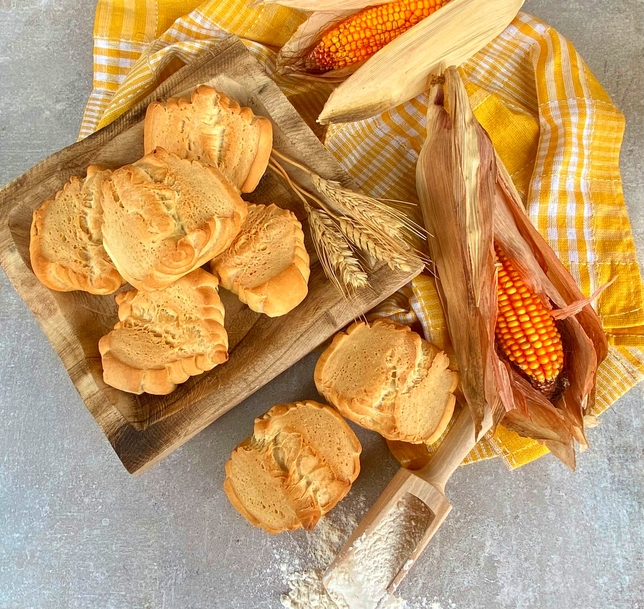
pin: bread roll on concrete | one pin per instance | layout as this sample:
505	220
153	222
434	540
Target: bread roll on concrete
386	378
299	463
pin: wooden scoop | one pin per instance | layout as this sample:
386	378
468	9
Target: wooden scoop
427	485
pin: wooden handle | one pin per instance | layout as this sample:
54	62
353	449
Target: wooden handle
450	454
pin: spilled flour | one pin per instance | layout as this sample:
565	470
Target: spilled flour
322	545
376	560
307	592
377	557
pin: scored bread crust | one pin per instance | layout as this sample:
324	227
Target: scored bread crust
66	242
215	129
406	393
309	455
163	323
270	237
165	216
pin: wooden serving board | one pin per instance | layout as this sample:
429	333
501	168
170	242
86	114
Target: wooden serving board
143	429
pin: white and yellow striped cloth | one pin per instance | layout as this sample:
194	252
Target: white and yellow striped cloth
553	125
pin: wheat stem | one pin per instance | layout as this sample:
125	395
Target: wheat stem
291	162
301	192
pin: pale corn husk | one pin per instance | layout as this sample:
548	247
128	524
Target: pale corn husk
470	226
399	71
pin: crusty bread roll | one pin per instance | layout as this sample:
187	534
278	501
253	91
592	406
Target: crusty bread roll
212	128
267	265
164	216
299	463
66	246
388	379
166	336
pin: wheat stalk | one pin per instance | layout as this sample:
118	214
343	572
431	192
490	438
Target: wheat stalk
340	218
352	202
380	217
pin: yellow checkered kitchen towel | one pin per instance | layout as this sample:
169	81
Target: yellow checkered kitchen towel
552	123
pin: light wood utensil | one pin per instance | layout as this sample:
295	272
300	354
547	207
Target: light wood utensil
427	484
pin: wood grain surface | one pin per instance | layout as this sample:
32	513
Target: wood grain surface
143	429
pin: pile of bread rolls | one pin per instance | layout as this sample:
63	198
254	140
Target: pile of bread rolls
154	223
302	458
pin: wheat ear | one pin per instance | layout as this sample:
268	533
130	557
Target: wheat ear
380	217
337	258
335	254
368	241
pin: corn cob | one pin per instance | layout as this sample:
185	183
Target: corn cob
525	331
362	34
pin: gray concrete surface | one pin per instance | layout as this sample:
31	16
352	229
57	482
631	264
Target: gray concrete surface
77	531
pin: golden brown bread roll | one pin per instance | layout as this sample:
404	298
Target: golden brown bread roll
388	379
66	246
163	217
212	128
267	265
299	463
166	336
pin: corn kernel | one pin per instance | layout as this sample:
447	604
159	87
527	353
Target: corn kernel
369	30
526	332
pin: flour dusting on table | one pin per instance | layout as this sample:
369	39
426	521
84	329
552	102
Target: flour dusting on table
361	581
381	556
321	546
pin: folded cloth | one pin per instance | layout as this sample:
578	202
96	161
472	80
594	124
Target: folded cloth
551	122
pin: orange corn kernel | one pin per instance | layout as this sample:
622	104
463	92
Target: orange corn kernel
361	35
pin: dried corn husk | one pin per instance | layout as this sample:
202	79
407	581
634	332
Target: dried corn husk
581	330
399	71
456	178
465	190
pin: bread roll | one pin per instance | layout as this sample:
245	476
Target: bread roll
166	336
299	463
388	379
164	217
212	128
267	265
66	246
